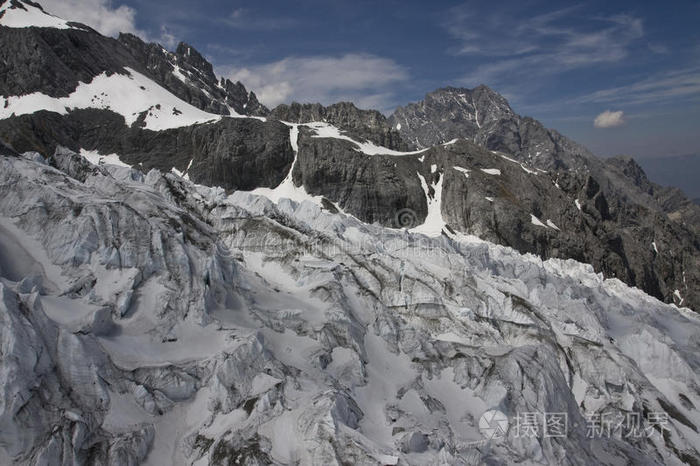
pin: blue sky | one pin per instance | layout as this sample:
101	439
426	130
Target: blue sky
562	63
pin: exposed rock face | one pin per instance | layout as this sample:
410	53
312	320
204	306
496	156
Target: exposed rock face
189	76
234	153
372	188
144	318
499	199
623	198
620	228
361	124
670	200
53	62
485	117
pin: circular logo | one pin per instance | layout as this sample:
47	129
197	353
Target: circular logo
405	218
493	424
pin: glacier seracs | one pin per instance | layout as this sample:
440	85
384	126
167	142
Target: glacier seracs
148	319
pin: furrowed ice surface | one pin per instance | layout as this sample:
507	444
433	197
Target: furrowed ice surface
153	320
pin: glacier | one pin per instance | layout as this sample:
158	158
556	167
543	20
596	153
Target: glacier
147	319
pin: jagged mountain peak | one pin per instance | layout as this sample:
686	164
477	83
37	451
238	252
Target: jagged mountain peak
189	55
189	67
451	112
485	117
67	56
481	101
481	91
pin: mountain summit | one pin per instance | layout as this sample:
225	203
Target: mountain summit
485	117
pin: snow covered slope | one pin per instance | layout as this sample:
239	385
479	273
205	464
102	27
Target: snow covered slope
132	95
16	14
148	319
325	130
71	65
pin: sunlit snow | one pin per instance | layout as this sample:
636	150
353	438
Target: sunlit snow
30	17
536	221
324	130
491	171
96	158
434	222
126	94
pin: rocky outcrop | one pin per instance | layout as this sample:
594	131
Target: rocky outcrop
630	211
53	61
672	201
373	188
188	75
234	153
494	197
361	124
485	117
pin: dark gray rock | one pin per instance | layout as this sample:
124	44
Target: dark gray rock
485	117
7	150
373	188
53	62
234	153
623	211
201	89
361	124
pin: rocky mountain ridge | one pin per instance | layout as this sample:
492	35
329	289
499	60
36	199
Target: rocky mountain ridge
62	58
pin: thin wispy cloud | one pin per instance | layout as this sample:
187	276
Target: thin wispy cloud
664	86
366	80
244	19
107	18
510	45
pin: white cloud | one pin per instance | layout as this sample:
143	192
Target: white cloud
166	38
609	119
98	14
366	80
